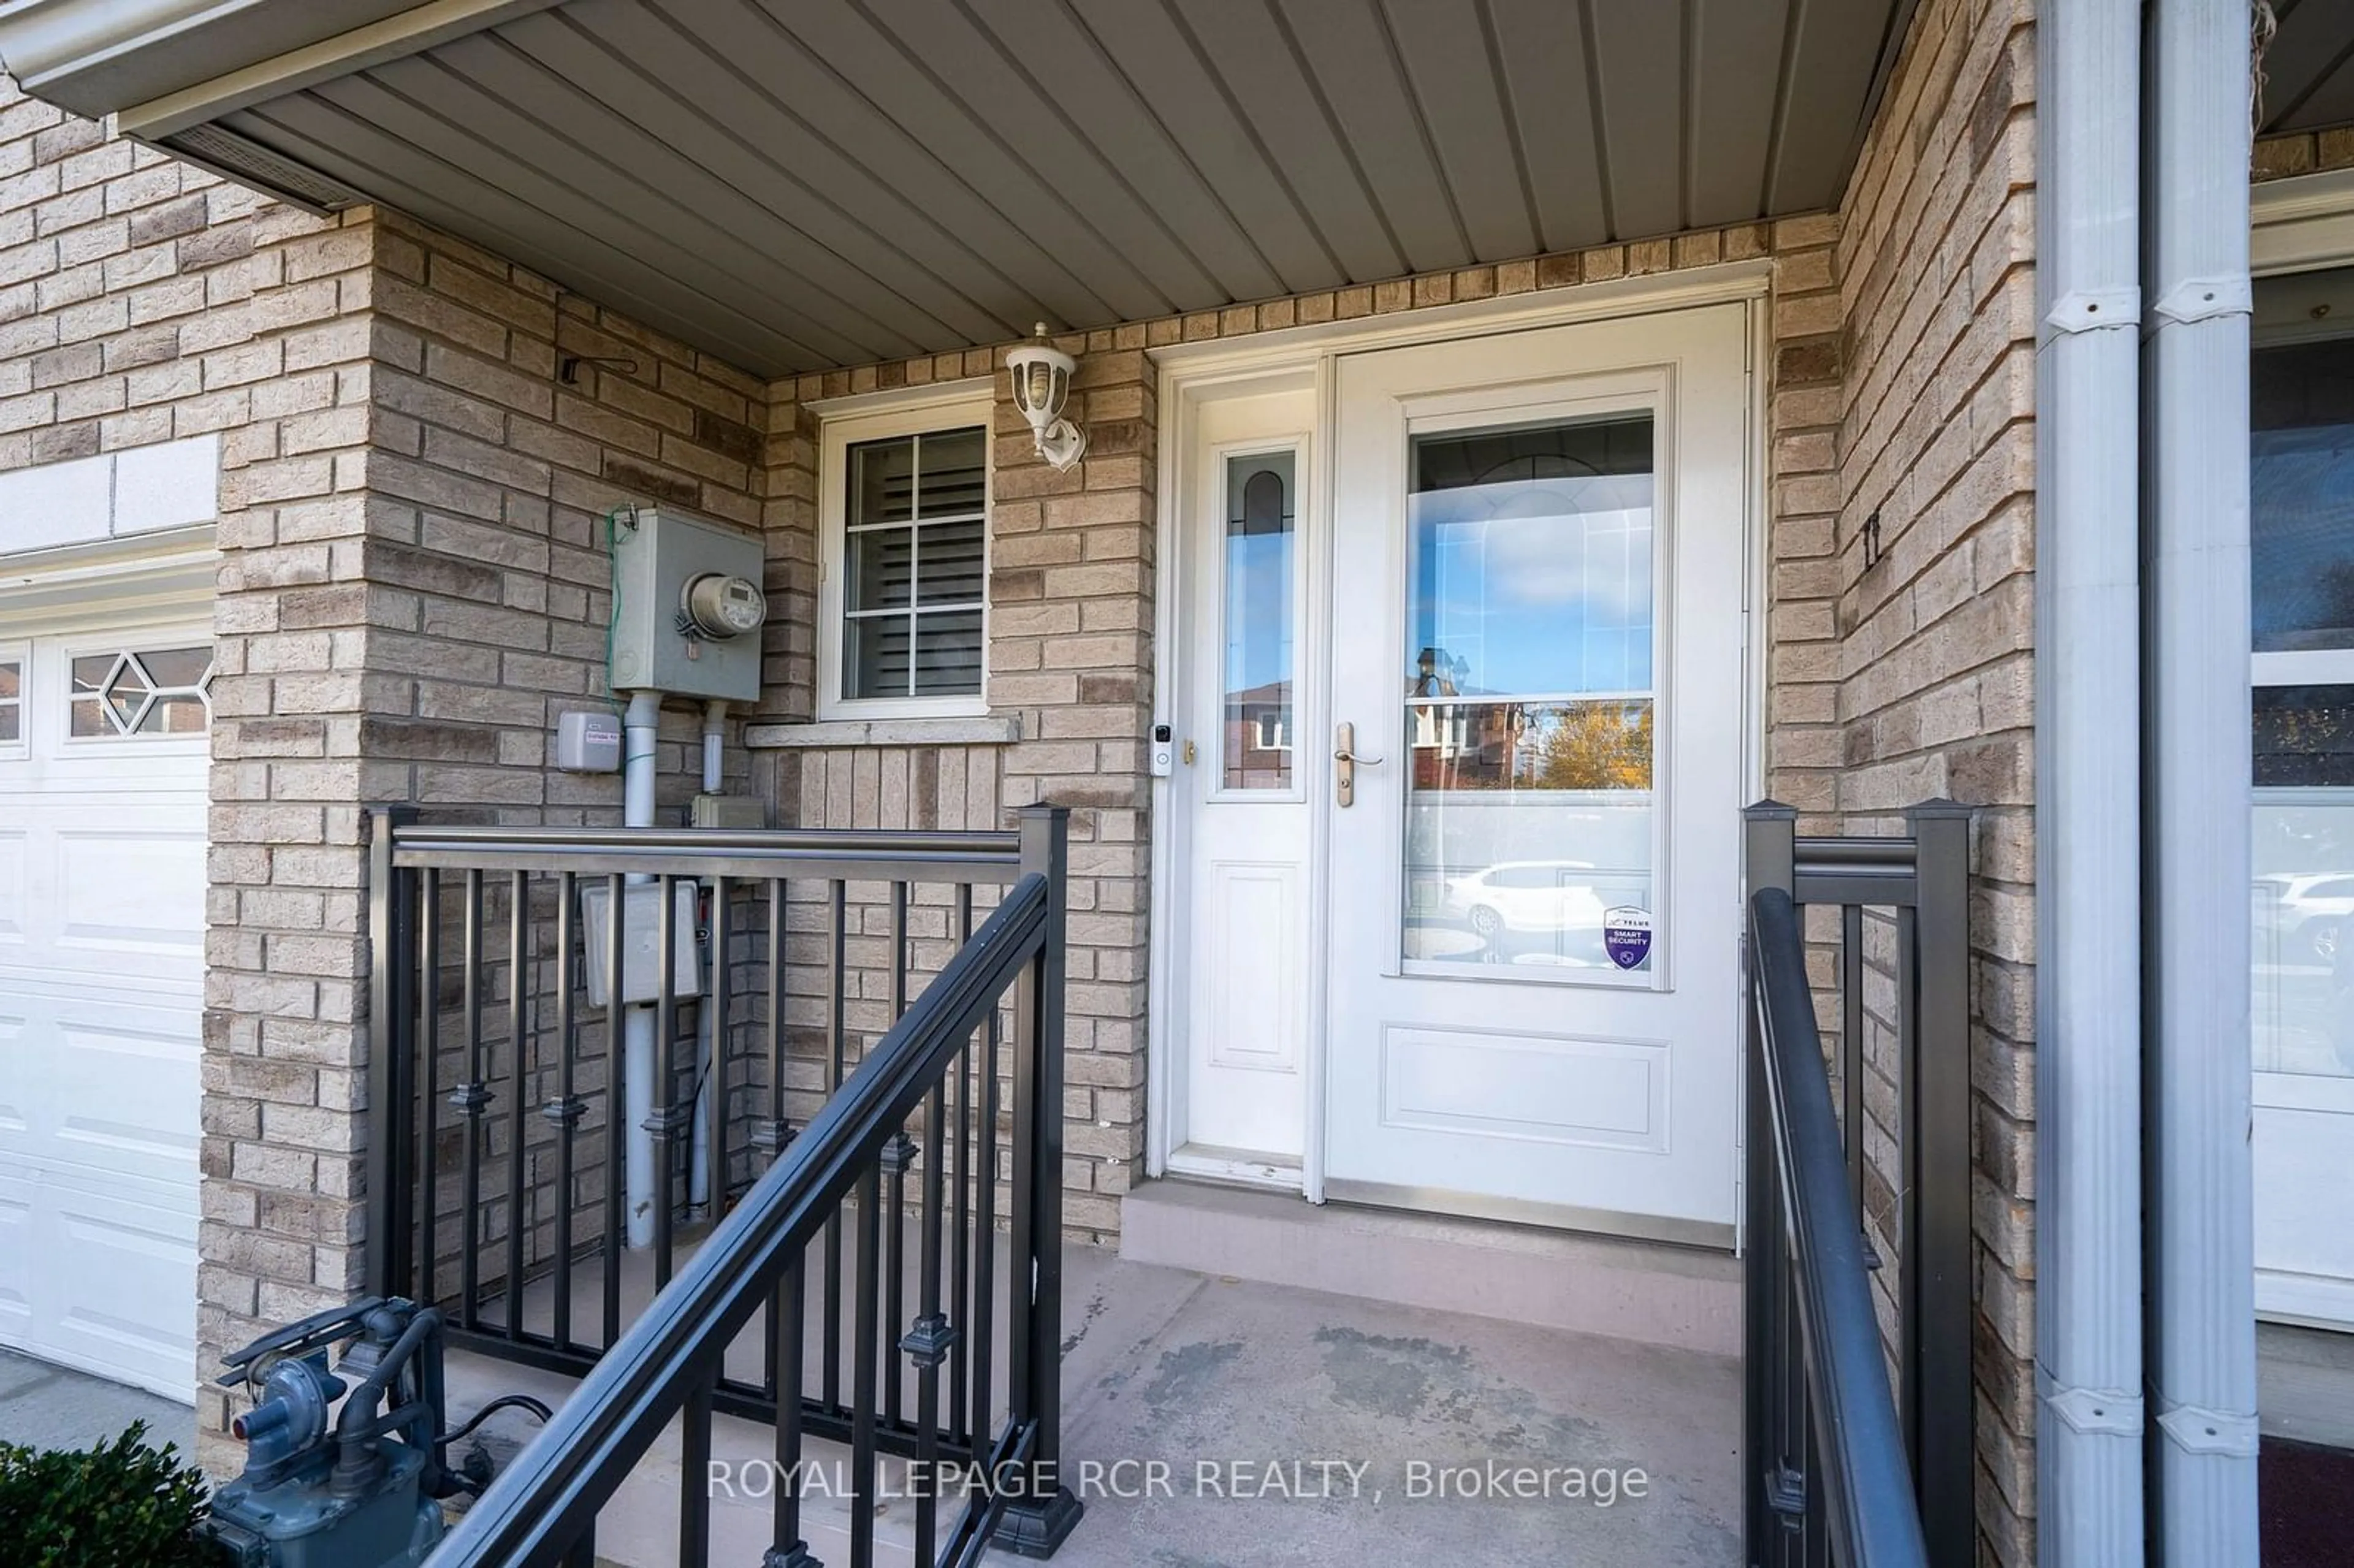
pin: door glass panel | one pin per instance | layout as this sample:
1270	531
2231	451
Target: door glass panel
1260	565
2301	549
1528	713
2301	482
2303	856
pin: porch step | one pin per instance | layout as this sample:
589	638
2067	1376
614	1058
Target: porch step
1650	1292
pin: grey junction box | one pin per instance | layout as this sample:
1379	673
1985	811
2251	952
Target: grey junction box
688	606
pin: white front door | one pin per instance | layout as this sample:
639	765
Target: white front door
1537	666
1249	848
103	796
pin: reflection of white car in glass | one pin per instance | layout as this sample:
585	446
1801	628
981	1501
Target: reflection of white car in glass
2306	911
1525	896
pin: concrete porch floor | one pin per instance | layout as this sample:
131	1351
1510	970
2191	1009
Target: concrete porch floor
1198	1370
1207	1381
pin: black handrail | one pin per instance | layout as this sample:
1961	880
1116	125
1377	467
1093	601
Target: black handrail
549	1496
1858	1443
830	922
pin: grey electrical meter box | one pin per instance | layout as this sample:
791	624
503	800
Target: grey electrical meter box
688	606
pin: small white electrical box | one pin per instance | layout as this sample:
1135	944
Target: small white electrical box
640	941
588	741
688	606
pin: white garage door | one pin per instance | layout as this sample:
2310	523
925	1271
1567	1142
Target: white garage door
102	767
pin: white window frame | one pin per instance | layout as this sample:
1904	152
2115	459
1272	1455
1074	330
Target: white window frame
19	654
851	422
131	640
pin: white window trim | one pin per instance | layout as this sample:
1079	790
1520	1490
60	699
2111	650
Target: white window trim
846	424
130	640
2302	223
19	654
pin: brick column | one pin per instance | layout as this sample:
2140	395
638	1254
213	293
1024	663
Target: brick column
1071	588
283	1078
414	585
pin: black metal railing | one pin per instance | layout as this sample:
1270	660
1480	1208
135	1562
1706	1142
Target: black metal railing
1844	1466
499	1143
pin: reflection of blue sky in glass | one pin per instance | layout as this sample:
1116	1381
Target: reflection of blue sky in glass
1535	585
2301	536
1258	580
1258	610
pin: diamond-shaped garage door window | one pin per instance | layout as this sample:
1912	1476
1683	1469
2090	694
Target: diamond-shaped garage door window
147	691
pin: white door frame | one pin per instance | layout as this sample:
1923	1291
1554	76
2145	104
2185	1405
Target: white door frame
1189	374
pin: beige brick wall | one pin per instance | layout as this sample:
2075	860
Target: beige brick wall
413	586
1933	622
2302	152
126	284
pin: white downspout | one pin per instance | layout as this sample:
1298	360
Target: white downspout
2088	786
2201	1370
640	726
698	1177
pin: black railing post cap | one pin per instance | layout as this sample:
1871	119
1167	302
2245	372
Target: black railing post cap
1770	810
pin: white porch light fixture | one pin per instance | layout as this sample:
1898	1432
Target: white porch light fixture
1042	383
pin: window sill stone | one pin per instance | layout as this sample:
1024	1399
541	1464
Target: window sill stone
987	730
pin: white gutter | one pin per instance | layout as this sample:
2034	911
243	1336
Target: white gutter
41	40
165	65
2088	787
2201	1372
412	31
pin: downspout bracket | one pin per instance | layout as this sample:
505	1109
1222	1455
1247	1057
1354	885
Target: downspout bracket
2097	1410
2203	299
2197	1431
2090	310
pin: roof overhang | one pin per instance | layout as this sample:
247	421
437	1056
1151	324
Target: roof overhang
97	57
803	183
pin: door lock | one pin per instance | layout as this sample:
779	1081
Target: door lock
1344	764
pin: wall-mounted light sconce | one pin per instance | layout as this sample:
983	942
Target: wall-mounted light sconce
1042	384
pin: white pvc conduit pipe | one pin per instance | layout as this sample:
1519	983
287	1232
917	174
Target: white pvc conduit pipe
698	1180
640	726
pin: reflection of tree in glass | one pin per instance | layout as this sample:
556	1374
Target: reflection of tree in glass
2304	736
1597	745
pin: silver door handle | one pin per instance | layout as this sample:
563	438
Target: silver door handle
1345	760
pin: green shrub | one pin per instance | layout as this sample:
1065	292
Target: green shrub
121	1503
